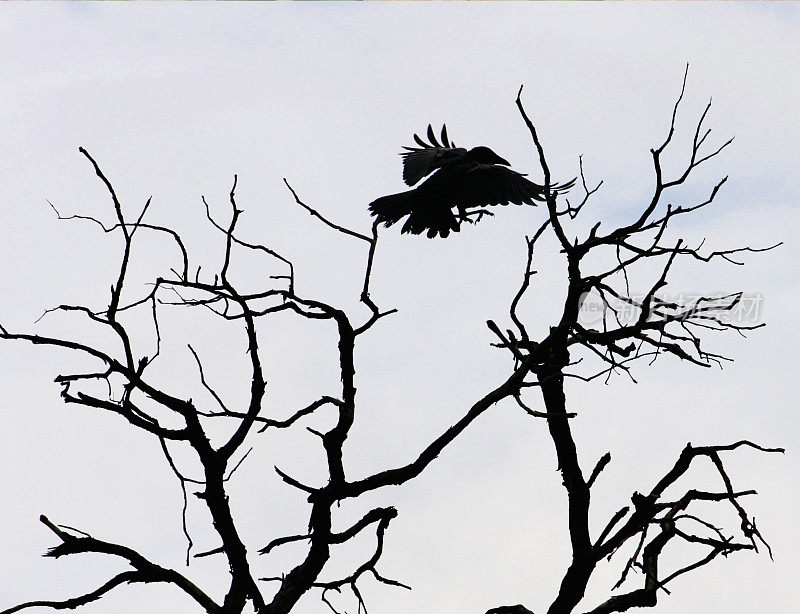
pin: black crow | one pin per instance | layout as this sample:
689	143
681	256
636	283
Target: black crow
467	180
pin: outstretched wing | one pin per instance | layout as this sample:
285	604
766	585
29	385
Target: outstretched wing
486	185
423	160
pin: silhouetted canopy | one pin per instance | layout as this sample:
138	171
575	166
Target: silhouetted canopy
467	180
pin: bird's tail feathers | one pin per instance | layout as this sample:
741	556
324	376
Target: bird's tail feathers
423	217
390	209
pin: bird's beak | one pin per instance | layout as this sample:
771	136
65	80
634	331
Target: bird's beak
503	161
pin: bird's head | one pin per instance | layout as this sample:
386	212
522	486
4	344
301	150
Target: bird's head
484	155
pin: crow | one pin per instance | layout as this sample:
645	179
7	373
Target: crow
467	180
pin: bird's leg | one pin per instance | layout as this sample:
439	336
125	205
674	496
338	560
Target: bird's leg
478	213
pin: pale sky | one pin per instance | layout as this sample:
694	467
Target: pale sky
173	99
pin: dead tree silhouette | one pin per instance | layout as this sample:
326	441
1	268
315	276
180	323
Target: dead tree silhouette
124	382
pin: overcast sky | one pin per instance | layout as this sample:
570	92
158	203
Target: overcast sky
173	99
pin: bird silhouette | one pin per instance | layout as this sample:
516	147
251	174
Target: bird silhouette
462	179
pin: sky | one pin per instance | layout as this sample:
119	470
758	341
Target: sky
174	99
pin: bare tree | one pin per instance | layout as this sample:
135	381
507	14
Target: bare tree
217	433
630	328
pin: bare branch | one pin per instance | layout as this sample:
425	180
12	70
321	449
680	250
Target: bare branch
126	577
145	571
330	224
604	460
